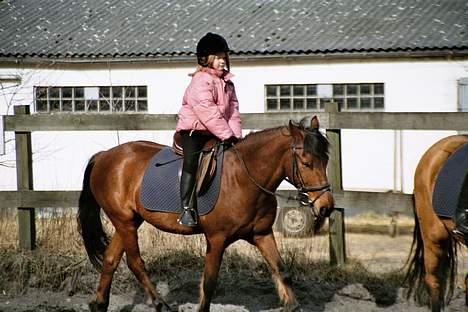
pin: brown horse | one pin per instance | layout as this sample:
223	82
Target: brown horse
244	210
432	269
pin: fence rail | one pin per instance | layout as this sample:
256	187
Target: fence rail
378	202
26	199
348	120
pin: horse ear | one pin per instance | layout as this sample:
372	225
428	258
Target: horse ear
314	123
293	129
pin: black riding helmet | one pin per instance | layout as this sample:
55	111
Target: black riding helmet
211	44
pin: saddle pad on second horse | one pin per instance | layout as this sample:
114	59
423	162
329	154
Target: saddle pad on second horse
160	189
449	182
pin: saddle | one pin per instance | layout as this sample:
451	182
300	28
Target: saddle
206	161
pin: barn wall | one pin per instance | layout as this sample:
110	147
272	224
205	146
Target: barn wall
372	160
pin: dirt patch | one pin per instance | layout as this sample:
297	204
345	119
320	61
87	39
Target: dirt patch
371	281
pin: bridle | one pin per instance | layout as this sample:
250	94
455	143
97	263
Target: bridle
302	189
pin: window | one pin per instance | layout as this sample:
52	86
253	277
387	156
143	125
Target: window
463	95
107	99
304	97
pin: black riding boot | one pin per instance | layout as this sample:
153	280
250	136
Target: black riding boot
189	215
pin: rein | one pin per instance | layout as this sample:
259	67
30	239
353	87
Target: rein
302	197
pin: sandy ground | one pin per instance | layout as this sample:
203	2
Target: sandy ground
377	253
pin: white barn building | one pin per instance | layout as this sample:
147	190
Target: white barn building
134	56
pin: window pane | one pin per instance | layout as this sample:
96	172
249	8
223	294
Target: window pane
41	105
272	104
365	89
92	105
366	103
129	92
79	106
322	103
79	92
117	105
311	90
298	90
54	92
351	103
285	90
54	105
340	102
298	103
338	89
379	88
142	92
117	92
130	105
104	92
311	103
142	106
67	92
285	104
67	106
379	102
41	93
351	89
271	91
104	105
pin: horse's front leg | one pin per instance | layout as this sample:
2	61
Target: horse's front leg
135	263
111	260
267	245
466	290
215	247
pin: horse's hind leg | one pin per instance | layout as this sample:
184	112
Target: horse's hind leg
111	260
435	260
214	255
267	246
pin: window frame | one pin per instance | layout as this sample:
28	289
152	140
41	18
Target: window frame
343	99
80	104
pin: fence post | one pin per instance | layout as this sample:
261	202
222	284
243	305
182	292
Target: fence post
24	177
336	220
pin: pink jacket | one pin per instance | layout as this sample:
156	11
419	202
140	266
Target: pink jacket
210	103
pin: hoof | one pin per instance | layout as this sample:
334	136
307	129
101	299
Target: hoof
161	306
292	308
97	307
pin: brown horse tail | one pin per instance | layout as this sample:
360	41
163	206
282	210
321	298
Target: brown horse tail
414	277
89	221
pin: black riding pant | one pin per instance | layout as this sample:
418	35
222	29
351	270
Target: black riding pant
192	144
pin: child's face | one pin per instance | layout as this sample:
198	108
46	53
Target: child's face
219	62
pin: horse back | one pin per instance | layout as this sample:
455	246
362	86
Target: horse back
117	172
434	158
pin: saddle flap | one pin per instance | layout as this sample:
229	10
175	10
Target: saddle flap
206	169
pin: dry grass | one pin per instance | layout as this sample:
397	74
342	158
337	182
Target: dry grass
60	262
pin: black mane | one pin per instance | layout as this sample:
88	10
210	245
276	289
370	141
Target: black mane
314	141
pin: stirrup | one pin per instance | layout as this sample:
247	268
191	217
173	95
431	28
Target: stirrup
188	217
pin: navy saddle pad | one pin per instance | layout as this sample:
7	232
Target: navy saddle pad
160	189
449	182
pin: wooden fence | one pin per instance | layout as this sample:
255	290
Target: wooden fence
26	199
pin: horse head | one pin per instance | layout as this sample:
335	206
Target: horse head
308	169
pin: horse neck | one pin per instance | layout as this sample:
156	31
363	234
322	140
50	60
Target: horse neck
265	155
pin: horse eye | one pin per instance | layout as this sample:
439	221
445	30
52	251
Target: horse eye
307	164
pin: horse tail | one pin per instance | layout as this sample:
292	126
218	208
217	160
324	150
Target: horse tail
415	273
89	221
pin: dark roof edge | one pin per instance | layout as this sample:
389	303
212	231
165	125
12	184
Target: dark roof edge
254	56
